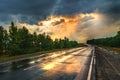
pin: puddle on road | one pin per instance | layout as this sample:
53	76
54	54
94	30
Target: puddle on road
64	68
54	63
19	65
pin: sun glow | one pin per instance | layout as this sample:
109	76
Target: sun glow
51	65
68	26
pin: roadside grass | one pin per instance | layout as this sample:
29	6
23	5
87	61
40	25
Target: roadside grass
5	58
116	49
113	49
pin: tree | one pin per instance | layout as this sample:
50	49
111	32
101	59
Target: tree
13	40
1	39
25	39
21	41
56	44
111	41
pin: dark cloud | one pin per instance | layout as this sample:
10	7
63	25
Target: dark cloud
114	11
26	10
58	22
26	7
49	33
30	11
87	18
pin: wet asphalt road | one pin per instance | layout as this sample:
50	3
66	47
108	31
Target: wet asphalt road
62	65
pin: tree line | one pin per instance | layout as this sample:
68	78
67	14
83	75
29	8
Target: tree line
15	41
110	41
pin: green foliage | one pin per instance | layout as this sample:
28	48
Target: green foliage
64	43
111	41
1	37
3	40
19	41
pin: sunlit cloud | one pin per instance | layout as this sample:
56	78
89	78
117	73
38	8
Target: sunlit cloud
76	19
80	27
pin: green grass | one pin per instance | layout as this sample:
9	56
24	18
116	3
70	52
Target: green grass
5	58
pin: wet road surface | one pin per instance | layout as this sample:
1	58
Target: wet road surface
62	65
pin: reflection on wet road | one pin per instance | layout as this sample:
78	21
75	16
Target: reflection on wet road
61	65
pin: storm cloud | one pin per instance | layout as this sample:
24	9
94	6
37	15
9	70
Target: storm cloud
77	19
31	11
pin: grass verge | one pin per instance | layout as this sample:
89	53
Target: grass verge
113	49
6	58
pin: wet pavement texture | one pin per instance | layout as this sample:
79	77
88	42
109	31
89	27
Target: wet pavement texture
62	65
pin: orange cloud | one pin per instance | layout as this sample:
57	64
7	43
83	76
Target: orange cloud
80	27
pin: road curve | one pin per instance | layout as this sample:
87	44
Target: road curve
62	65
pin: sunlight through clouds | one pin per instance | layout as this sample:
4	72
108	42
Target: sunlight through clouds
79	27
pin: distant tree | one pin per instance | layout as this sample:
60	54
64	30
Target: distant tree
41	41
20	41
35	39
56	44
61	44
49	43
1	39
5	41
111	41
13	40
25	39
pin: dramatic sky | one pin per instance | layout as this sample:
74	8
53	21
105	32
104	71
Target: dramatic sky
76	19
